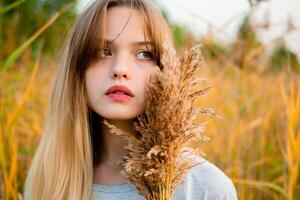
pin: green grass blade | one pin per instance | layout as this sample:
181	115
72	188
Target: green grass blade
10	6
18	52
261	184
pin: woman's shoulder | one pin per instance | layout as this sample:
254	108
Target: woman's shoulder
206	180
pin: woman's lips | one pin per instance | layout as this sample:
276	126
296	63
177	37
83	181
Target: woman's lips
119	89
119	97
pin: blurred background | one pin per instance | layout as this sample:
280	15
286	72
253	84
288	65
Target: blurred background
252	55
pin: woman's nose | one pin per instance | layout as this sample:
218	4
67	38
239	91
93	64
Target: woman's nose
122	67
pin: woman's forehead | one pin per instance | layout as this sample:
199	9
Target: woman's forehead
125	24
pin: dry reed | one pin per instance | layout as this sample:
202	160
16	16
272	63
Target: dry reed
158	155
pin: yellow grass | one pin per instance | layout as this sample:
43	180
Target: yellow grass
292	149
255	141
9	143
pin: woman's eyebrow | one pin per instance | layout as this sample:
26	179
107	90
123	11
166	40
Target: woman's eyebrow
142	43
138	43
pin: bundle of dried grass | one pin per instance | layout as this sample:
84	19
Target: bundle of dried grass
158	156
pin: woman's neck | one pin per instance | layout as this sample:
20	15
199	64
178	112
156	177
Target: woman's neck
113	148
112	152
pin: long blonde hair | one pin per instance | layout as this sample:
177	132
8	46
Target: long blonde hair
62	167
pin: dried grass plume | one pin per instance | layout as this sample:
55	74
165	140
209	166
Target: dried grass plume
158	156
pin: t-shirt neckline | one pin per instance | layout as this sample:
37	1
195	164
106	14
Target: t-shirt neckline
123	187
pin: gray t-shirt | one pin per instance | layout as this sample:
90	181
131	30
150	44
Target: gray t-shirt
203	181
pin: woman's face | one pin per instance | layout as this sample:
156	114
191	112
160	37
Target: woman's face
123	61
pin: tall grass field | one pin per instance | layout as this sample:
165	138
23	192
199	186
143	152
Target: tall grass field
254	138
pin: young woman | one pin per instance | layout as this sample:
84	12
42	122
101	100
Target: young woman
107	60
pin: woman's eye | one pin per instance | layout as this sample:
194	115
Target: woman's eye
105	52
145	55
